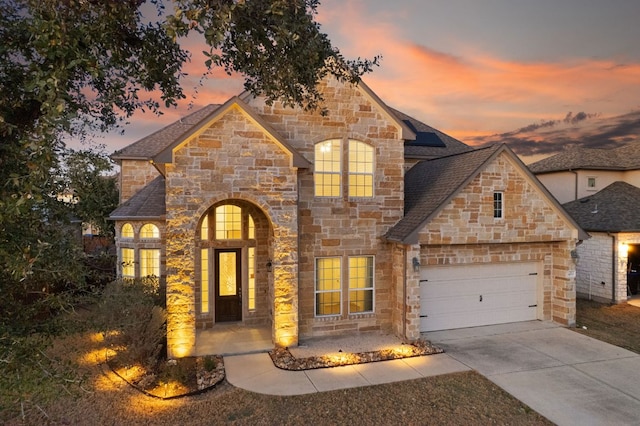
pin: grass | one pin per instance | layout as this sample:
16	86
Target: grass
615	324
104	398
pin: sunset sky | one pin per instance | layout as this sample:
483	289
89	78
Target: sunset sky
538	75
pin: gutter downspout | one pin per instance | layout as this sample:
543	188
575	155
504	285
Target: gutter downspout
614	254
404	293
575	195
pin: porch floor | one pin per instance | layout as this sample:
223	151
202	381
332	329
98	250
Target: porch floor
233	339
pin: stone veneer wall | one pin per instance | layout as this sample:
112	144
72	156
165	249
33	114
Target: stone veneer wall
465	231
342	226
135	175
233	159
602	265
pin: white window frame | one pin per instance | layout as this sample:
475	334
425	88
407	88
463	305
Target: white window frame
149	231
149	260
357	166
370	288
128	264
318	292
498	205
320	164
124	234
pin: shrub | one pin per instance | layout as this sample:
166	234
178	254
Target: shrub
132	321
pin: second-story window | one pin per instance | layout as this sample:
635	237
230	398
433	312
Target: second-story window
498	205
328	169
360	169
328	173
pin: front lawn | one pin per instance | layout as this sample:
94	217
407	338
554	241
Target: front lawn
101	397
615	324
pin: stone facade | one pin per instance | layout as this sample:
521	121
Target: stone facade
465	232
260	159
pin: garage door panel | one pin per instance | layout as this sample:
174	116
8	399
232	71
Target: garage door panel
475	295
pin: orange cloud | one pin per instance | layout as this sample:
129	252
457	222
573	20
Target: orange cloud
474	92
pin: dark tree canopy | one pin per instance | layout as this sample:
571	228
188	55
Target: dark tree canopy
73	68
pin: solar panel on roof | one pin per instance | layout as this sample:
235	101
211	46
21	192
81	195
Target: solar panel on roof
424	138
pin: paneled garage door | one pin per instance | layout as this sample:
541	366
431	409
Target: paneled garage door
475	295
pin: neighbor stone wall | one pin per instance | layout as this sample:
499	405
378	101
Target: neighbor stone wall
594	269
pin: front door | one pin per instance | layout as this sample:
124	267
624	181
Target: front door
228	285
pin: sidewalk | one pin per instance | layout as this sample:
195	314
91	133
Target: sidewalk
256	373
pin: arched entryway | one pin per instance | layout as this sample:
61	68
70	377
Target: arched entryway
233	265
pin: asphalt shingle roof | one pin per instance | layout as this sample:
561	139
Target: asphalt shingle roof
615	208
431	183
148	203
626	157
147	147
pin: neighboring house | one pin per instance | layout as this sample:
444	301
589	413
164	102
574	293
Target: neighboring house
580	172
609	262
599	189
312	225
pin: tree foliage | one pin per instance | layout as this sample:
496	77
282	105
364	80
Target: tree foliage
72	68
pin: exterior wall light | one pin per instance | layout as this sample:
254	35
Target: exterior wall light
416	264
269	265
623	249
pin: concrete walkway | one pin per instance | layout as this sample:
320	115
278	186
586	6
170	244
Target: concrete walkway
569	378
256	373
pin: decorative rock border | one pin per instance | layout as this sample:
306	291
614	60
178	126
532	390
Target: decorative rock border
284	360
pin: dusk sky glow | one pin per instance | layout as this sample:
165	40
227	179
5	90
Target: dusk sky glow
538	75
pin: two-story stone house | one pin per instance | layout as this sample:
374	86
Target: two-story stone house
363	219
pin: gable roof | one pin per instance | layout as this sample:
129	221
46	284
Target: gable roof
431	184
166	155
626	157
612	209
148	203
429	142
147	147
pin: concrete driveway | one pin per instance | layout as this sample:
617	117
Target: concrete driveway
569	378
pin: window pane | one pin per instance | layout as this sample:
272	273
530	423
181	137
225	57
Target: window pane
251	234
204	228
328	286
497	205
328	169
128	266
360	169
149	263
204	280
228	222
149	230
360	284
127	231
227	271
251	285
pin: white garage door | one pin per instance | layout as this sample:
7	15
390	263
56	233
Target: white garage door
474	295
